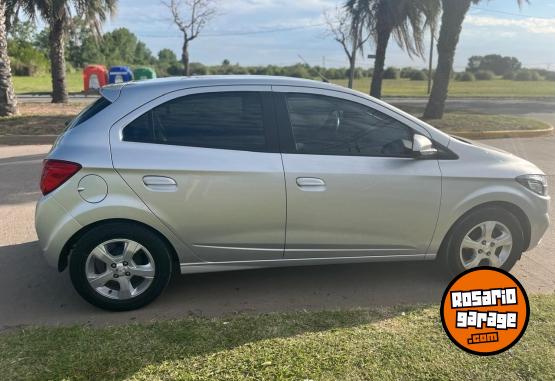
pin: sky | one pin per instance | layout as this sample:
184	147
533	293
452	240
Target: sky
261	32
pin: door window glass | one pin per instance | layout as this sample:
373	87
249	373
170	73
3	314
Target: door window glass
331	126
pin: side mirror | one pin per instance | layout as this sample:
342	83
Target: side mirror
422	147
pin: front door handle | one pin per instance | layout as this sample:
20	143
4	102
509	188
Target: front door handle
311	184
160	183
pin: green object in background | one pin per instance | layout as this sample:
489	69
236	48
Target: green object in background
141	73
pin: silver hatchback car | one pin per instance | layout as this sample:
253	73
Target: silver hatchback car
240	172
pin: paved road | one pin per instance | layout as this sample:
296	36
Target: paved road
31	293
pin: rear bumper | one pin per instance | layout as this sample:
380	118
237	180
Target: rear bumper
54	226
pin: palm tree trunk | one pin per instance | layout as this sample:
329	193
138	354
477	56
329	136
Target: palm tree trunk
454	12
58	61
379	64
8	102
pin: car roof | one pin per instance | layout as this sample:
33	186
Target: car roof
164	85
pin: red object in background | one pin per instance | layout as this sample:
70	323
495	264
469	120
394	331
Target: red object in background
95	77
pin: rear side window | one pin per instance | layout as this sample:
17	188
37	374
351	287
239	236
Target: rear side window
90	111
231	120
323	125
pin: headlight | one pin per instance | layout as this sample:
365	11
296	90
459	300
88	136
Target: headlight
536	183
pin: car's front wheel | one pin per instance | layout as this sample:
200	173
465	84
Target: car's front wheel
485	237
120	266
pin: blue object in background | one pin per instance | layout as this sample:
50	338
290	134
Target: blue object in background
120	74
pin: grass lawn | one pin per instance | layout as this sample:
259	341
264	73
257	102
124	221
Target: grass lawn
457	122
43	83
497	88
388	344
401	87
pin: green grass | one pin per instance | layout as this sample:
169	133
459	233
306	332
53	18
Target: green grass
388	344
43	83
497	88
458	122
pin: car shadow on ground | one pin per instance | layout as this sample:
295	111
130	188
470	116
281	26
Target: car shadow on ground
31	293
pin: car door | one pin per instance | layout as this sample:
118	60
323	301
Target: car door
206	162
353	186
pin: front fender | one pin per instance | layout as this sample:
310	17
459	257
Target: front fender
459	197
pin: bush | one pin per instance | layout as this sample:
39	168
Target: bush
550	76
407	71
527	75
465	77
418	75
175	70
23	69
391	73
510	76
359	73
484	75
196	68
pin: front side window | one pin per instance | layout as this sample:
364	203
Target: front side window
213	120
324	125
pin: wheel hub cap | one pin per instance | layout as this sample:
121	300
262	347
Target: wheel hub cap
486	244
120	269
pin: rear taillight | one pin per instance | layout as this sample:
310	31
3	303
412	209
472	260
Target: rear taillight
55	173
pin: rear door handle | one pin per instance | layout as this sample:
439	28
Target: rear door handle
311	184
160	183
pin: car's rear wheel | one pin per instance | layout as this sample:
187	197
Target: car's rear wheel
485	237
120	266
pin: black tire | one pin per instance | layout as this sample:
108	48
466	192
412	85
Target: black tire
120	230
450	255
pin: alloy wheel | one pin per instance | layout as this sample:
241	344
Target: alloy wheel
486	244
120	269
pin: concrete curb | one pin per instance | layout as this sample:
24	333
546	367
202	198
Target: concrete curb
503	134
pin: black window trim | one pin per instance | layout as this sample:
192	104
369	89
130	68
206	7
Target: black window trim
287	141
268	122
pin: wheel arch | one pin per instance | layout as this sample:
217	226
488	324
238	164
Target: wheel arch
66	250
507	206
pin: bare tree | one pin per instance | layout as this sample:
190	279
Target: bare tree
349	30
190	16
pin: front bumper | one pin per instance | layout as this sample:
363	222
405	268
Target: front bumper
54	226
539	226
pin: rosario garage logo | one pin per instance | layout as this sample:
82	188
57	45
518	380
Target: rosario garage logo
485	311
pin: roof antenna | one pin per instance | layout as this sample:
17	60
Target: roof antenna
317	71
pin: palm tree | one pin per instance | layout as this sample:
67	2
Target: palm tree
58	13
8	102
454	12
406	21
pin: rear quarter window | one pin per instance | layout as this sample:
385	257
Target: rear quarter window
229	120
89	111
